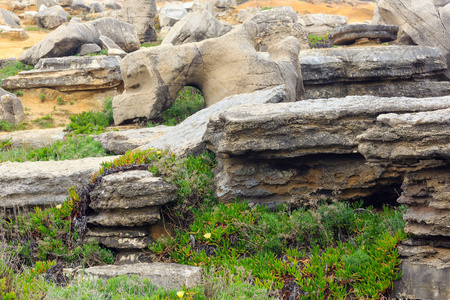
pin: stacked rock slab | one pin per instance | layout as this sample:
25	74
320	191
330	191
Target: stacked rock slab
349	34
124	205
387	71
399	141
308	150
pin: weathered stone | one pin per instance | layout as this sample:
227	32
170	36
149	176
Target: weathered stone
126	217
225	4
399	137
66	40
8	18
171	13
51	17
132	189
141	14
43	183
425	273
112	48
169	276
5	62
34	138
13	33
153	78
65	3
245	14
96	7
119	142
322	24
69	74
11	109
276	24
195	27
348	34
120	238
46	3
307	151
29	18
88	48
112	5
418	19
79	5
204	4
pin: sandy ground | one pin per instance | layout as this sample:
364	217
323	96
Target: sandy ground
359	13
11	48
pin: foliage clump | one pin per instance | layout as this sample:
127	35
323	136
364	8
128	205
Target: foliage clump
92	122
12	69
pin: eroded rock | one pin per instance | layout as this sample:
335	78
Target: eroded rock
51	17
349	34
11	109
140	14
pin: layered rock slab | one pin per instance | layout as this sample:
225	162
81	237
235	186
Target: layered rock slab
349	34
153	78
306	151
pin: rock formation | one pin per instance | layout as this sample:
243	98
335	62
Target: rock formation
51	17
171	13
419	20
322	24
34	138
153	78
349	34
410	71
66	40
11	109
141	14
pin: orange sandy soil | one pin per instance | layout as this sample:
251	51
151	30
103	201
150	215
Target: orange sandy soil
360	12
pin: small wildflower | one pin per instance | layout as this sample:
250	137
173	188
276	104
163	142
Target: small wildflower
207	235
59	206
180	294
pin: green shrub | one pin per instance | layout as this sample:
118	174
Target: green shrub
189	101
92	122
12	69
317	41
45	122
6	126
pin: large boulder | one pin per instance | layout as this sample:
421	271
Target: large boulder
13	33
322	24
74	73
278	23
185	138
8	18
51	17
66	40
11	109
349	34
141	14
153	78
195	27
46	3
418	19
171	13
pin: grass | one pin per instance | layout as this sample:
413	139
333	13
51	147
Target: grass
92	122
6	126
12	69
189	101
317	41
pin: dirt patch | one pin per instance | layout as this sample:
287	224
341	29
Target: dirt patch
359	12
13	48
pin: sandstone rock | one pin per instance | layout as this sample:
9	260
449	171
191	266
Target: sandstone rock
8	18
141	14
225	4
204	4
43	183
11	109
153	78
170	13
245	14
122	238
195	27
278	23
444	13
79	5
65	3
348	34
169	276
29	18
46	3
306	151
51	17
132	189
89	48
418	19
34	138
113	48
441	3
322	24
66	40
69	74
13	33
96	7
112	5
126	217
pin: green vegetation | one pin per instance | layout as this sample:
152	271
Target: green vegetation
45	122
266	8
18	93
92	122
189	101
316	41
60	101
72	147
6	126
12	69
42	97
154	44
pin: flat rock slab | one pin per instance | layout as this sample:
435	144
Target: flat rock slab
69	74
43	183
348	34
169	276
34	138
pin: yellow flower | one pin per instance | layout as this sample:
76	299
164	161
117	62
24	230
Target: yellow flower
180	294
207	235
158	152
59	206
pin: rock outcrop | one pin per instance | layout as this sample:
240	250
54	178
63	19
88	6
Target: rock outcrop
410	71
51	17
125	205
8	18
419	20
306	151
11	109
69	74
26	185
66	39
169	276
276	24
153	78
141	14
349	34
322	24
195	27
